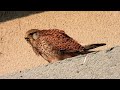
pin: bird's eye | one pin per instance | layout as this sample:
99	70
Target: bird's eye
35	35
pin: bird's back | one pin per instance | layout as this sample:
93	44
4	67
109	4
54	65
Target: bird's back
60	40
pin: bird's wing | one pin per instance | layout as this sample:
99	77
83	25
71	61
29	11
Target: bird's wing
63	42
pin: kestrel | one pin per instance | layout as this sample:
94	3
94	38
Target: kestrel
54	44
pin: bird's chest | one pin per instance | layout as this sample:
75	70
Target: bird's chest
45	48
47	51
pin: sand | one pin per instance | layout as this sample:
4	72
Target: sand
86	27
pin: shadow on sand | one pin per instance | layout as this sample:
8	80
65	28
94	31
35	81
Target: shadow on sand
9	15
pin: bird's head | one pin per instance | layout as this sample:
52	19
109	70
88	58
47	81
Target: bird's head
32	35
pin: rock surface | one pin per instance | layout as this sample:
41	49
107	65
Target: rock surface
101	65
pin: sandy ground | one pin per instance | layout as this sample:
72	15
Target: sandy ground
84	26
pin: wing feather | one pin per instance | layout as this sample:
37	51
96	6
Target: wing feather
62	42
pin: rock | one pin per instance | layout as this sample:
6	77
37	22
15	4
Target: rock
100	65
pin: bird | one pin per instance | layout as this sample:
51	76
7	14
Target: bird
55	45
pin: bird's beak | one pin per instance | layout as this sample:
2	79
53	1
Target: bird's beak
27	39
